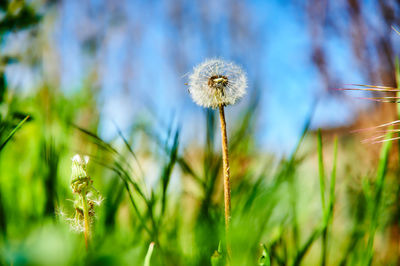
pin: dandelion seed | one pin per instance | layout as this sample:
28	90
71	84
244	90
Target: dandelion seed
215	83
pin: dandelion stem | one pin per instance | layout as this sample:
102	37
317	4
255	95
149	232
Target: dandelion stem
86	219
227	187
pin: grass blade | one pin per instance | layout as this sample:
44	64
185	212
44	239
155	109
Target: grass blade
321	170
329	212
382	169
13	132
303	250
148	255
217	258
264	260
167	171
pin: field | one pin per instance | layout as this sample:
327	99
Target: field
151	191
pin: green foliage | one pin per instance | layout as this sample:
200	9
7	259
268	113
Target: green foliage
180	209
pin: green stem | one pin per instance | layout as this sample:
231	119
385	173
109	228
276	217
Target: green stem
86	218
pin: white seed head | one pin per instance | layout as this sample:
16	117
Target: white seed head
216	82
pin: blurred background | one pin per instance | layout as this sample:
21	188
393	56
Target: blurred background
94	73
136	56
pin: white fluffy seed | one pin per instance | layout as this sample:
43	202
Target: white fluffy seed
216	82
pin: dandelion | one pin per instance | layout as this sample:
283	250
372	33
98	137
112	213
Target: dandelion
215	84
87	197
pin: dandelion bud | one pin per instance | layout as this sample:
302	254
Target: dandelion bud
79	178
215	83
86	197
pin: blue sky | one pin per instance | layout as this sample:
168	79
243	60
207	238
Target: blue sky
279	64
144	54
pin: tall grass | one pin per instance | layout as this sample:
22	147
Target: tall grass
180	210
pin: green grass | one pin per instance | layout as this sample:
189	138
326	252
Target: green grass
180	210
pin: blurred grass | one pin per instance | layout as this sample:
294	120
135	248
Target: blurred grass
158	191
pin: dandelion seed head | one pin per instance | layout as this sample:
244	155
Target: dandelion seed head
216	82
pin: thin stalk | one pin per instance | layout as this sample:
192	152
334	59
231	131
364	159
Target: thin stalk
324	245
86	219
227	186
322	190
293	205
